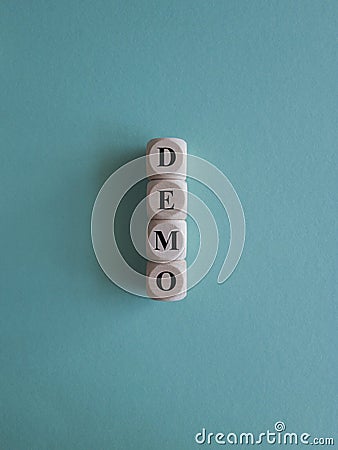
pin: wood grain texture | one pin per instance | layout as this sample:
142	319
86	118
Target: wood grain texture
167	199
166	158
167	282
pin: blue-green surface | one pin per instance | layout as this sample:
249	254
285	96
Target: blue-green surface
252	87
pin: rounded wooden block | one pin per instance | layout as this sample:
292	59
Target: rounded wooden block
167	240
167	158
167	199
167	282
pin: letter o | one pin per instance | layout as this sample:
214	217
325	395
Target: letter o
172	280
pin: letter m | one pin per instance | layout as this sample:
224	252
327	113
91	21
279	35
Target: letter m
246	438
292	437
160	237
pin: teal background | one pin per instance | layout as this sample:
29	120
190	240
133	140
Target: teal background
252	87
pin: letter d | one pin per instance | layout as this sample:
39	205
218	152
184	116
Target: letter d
172	156
202	434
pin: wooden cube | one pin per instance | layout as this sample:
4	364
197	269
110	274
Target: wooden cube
167	158
167	199
167	240
167	282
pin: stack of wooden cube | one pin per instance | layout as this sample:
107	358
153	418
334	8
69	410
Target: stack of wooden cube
167	228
